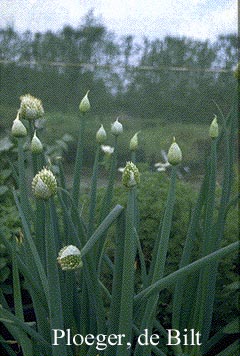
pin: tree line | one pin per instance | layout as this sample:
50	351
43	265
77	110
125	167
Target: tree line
171	78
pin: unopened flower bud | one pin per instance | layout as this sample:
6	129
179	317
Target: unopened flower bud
36	144
85	106
117	128
18	129
101	135
134	142
69	258
31	108
44	184
130	176
174	154
213	129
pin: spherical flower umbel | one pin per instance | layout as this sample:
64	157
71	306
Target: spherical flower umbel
18	129
101	135
84	105
69	258
31	108
174	154
130	176
44	184
36	144
213	129
117	128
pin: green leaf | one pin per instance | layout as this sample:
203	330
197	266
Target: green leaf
3	189
191	268
3	262
5	173
4	274
107	222
232	328
8	317
231	350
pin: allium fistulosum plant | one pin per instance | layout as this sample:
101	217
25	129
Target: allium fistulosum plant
62	253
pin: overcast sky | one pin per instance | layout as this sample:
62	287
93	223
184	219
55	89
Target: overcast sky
201	19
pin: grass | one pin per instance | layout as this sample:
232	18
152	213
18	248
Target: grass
152	134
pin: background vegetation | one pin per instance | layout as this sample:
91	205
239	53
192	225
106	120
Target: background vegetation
169	79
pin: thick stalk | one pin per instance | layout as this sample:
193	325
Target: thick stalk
172	278
22	181
106	205
127	287
159	262
93	196
178	299
78	162
54	300
26	343
208	273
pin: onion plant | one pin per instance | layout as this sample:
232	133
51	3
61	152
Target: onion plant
62	254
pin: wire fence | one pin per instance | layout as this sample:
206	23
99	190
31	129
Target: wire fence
92	66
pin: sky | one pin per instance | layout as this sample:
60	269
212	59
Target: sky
199	19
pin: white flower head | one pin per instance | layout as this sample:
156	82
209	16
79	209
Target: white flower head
44	184
31	108
108	150
130	176
69	258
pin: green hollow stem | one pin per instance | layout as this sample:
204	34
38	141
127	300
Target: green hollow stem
218	235
106	205
209	238
89	270
40	230
31	280
133	157
11	319
78	162
210	203
172	278
54	300
100	231
134	160
117	281
141	258
127	285
16	284
25	342
178	298
107	199
35	161
32	247
22	181
159	262
93	195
